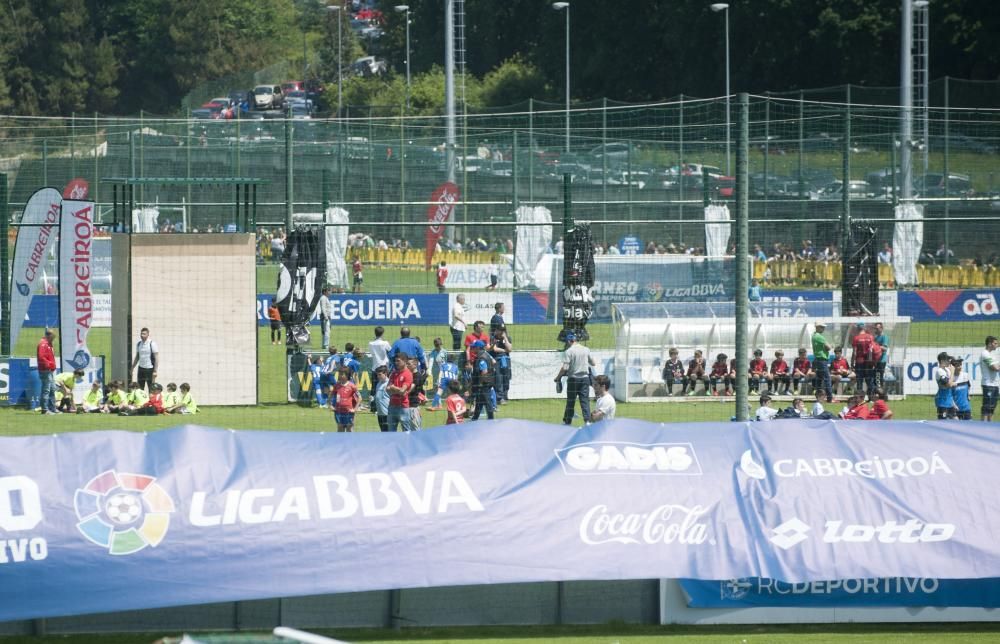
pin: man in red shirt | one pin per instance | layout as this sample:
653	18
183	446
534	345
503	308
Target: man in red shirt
779	374
863	356
802	371
442	275
47	372
477	334
400	383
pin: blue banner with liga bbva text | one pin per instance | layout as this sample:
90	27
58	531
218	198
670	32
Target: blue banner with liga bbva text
111	521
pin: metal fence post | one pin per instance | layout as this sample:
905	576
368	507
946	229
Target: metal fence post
288	170
845	197
742	255
4	270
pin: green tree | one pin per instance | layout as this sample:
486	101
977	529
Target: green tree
103	70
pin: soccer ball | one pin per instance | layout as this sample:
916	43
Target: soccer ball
123	508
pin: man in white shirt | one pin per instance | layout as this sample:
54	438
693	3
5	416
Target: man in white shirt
577	362
494	277
325	313
458	322
605	405
989	369
147	356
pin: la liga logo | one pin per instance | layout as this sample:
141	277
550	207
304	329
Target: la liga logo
123	513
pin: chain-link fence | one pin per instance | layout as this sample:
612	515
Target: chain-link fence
641	175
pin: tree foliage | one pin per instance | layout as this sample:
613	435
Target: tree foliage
120	56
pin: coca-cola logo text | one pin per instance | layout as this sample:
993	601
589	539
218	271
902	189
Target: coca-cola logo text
663	525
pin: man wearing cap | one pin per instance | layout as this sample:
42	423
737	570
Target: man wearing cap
821	361
577	362
863	356
47	373
482	381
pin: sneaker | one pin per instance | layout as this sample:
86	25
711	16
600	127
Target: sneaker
49	413
715	392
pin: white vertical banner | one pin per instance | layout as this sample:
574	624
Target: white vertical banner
716	234
532	243
76	301
336	246
34	239
907	239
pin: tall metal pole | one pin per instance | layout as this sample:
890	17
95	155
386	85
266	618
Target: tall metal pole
289	170
724	7
845	223
449	96
559	6
906	102
340	63
407	60
5	347
742	255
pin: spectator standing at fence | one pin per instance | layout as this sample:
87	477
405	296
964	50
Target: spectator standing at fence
821	361
400	383
882	340
47	372
577	362
457	322
274	318
442	276
885	255
147	358
604	403
409	346
278	245
865	357
754	293
325	314
989	371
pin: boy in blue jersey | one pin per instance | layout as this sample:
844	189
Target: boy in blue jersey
944	401
351	359
316	373
960	385
447	373
482	382
331	364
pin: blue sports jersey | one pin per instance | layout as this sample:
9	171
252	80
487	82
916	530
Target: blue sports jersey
351	364
449	372
944	398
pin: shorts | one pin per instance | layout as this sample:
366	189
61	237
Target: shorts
990	399
358	279
494	280
275	325
344	418
944	413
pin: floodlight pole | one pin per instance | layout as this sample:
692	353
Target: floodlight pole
742	261
5	347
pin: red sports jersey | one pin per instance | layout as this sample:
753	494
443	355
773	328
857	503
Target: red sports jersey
347	394
802	365
858	412
719	369
442	275
757	365
779	367
839	364
356	266
403	379
456	409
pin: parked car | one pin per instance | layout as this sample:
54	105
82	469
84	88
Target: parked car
857	189
368	66
616	151
214	109
268	97
292	86
932	185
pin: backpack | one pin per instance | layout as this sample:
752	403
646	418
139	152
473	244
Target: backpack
787	412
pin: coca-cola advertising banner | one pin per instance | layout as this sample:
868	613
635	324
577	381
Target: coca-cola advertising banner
439	212
76	299
216	515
